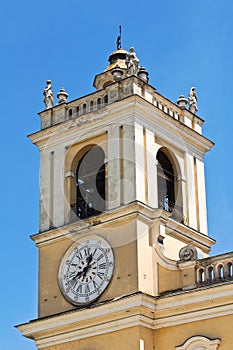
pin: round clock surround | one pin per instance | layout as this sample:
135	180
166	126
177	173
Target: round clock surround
86	269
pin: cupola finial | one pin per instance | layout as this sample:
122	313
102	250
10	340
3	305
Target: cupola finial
118	42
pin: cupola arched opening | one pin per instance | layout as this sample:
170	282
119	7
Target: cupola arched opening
90	184
169	193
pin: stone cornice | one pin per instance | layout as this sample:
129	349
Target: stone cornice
124	312
194	305
191	235
129	211
180	130
114	113
129	311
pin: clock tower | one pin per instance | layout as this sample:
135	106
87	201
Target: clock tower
123	224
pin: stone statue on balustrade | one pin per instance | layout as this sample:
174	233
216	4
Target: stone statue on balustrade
132	62
192	101
48	95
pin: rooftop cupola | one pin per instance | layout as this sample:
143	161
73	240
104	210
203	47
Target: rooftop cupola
117	58
125	61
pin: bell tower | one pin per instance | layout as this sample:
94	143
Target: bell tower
122	192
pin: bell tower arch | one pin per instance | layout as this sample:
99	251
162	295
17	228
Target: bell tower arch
90	184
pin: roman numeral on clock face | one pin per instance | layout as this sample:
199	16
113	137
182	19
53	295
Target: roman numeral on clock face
87	251
87	288
79	289
103	265
71	274
100	257
94	251
79	254
73	283
100	275
96	286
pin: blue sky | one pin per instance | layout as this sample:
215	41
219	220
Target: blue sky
181	43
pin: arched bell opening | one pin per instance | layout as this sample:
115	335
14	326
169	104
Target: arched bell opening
90	184
169	188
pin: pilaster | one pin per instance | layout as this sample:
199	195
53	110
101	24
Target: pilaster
114	172
151	171
191	195
128	164
145	255
46	160
201	196
58	186
139	163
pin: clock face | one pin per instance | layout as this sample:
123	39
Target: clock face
86	270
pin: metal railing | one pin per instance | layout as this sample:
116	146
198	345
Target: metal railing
82	210
175	210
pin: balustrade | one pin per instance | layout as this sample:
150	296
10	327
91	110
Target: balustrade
103	98
212	270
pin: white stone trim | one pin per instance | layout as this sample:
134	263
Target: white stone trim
151	171
199	343
131	210
151	116
87	332
193	316
114	180
201	195
72	317
135	310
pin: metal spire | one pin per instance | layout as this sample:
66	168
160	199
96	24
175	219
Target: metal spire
119	39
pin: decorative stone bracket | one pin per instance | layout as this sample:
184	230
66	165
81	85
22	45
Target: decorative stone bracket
187	265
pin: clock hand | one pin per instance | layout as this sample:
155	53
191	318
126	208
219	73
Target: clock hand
78	274
86	268
89	259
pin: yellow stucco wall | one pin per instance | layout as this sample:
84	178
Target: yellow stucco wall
124	281
168	279
219	327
